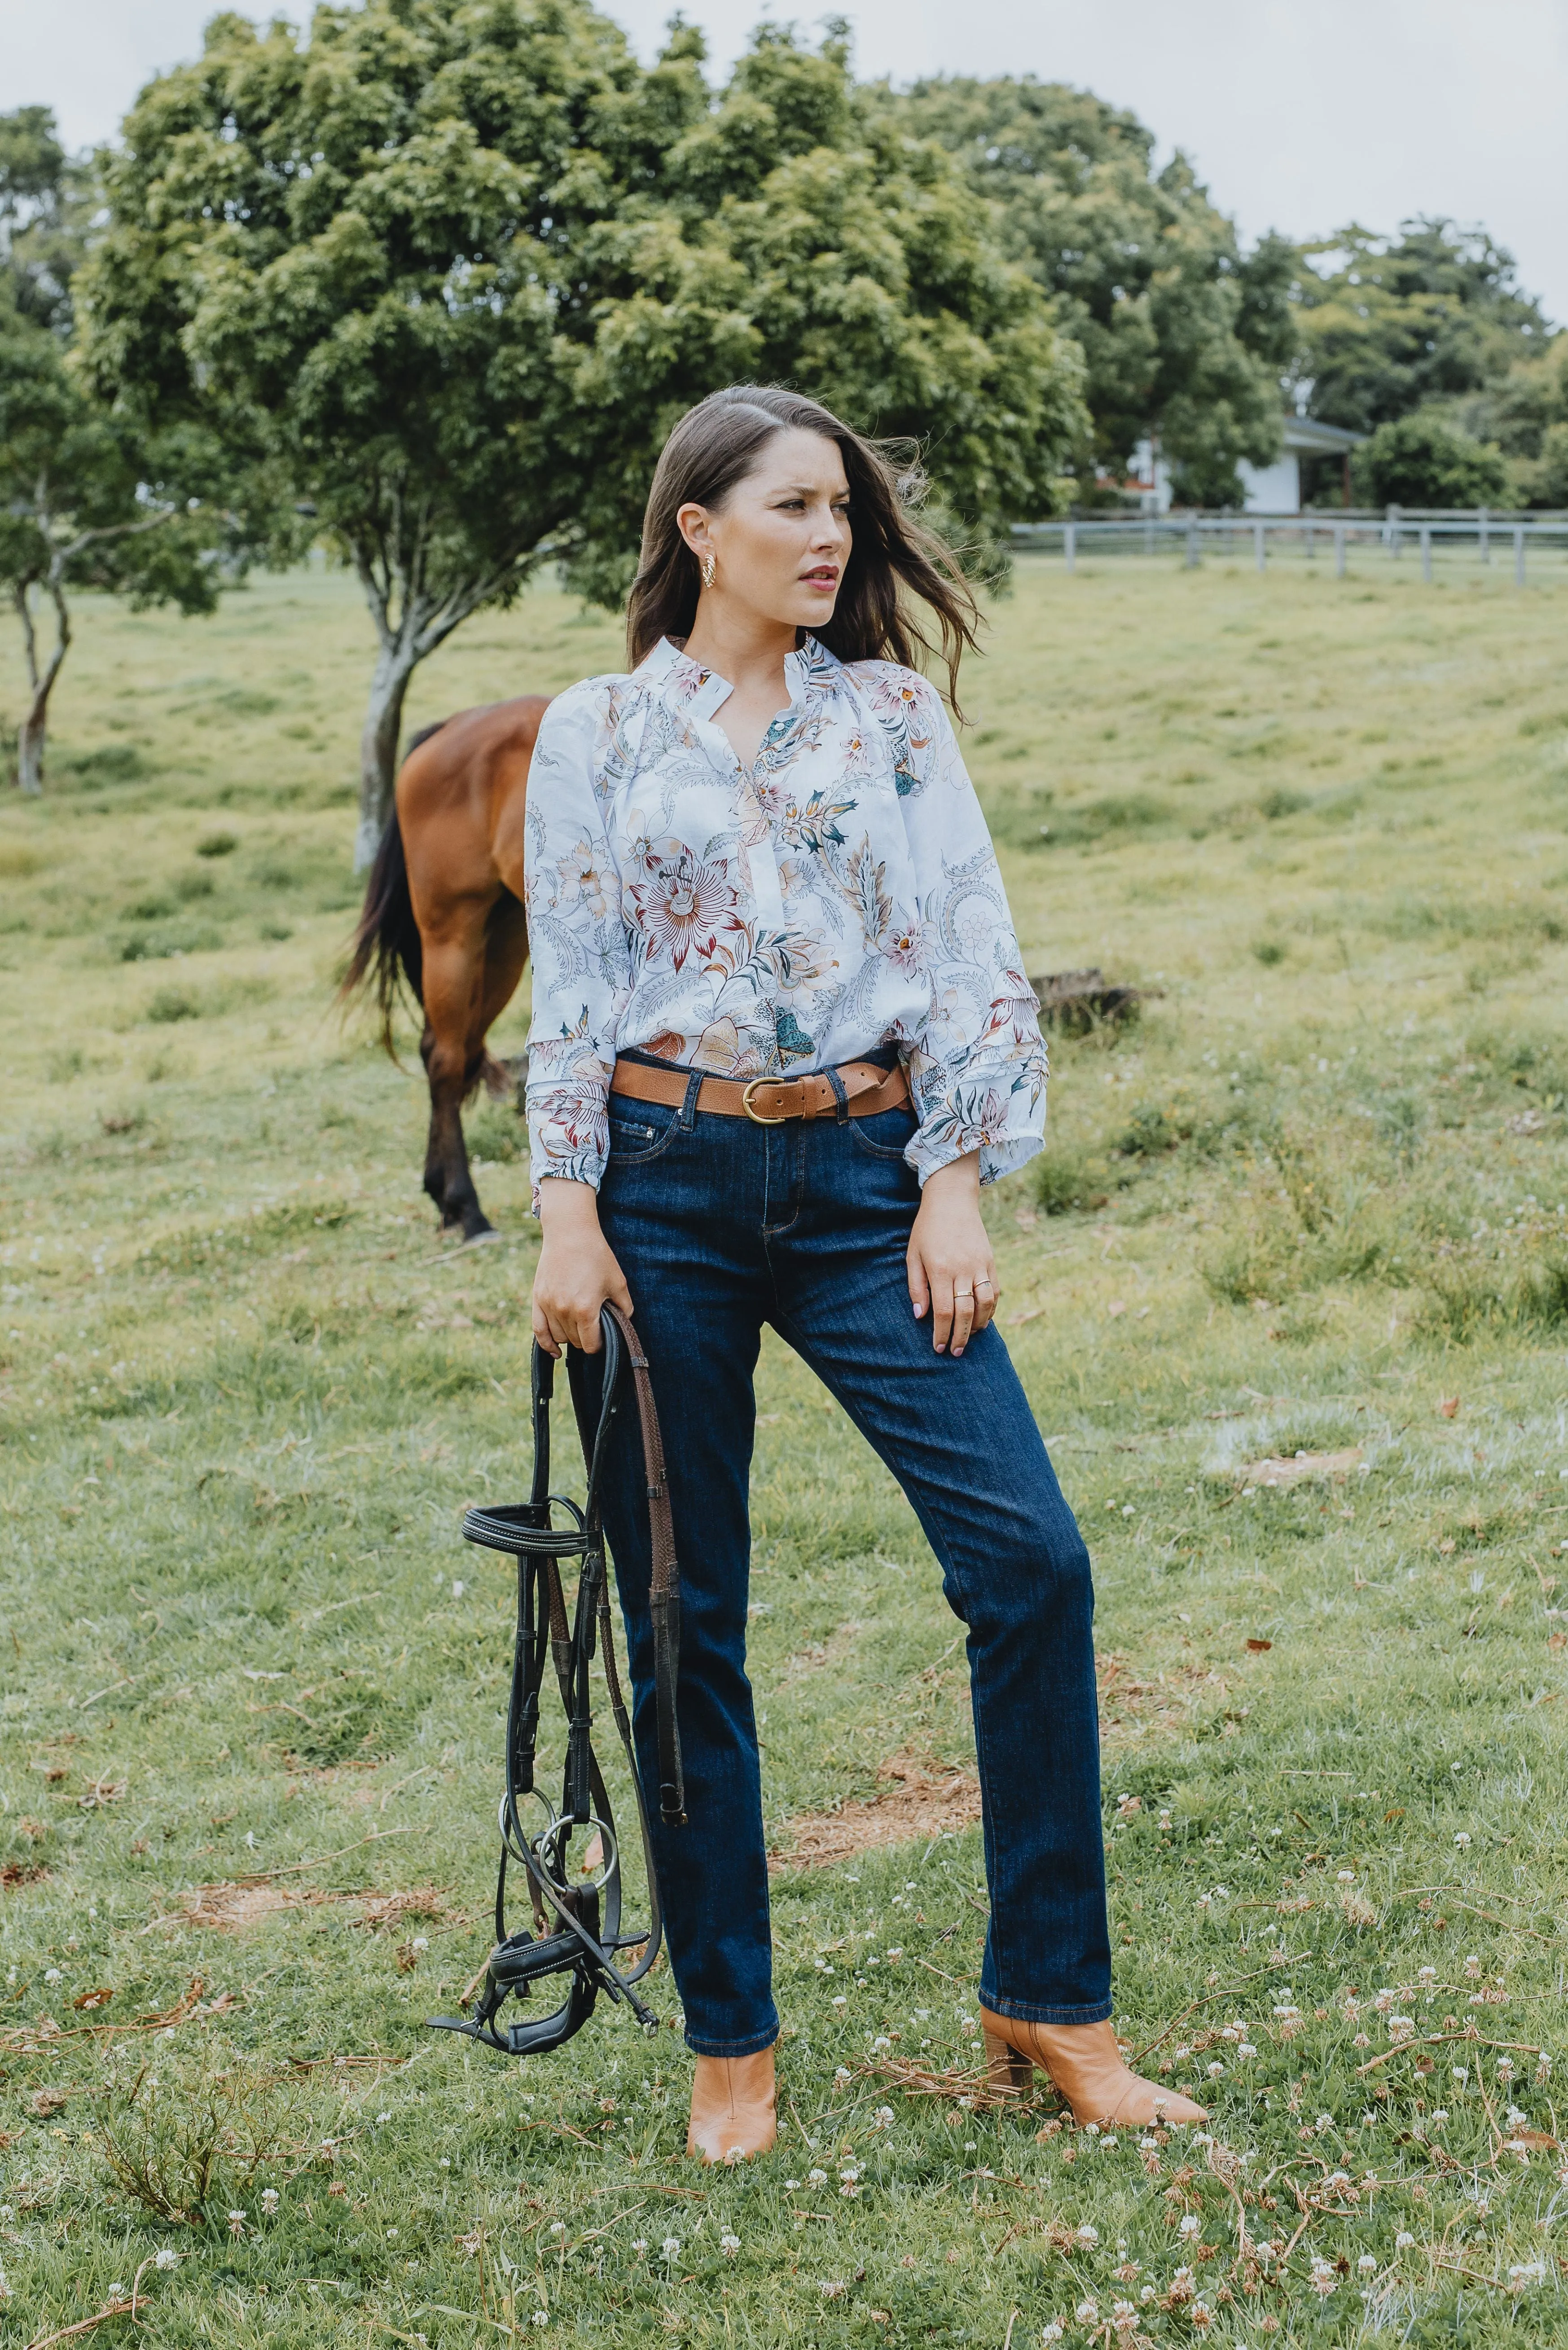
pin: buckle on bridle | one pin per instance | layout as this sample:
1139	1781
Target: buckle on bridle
755	1114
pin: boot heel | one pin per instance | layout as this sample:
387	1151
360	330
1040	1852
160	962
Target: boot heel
1008	2071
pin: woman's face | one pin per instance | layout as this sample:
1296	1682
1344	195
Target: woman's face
781	540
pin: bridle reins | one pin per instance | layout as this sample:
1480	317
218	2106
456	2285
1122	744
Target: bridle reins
572	1935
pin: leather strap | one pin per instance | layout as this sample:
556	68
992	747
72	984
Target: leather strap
769	1101
664	1590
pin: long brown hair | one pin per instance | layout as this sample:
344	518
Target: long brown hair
896	561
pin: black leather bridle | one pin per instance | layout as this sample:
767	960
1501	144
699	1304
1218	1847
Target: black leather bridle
577	1922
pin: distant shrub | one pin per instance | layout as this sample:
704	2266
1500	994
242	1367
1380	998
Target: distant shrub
496	1132
1282	801
172	1004
1422	460
217	844
112	763
1268	950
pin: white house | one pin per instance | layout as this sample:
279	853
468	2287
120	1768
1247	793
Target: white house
1265	488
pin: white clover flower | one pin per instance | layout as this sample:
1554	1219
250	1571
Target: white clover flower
729	2243
817	2177
420	1944
1087	2235
1461	1838
236	2222
383	2118
640	2243
881	2041
670	2248
1087	2312
269	2201
883	2117
1215	2070
1051	2332
1246	2050
53	1975
1148	2143
1347	1877
1192	2225
541	2317
557	2227
839	2000
1461	2073
840	2076
1403	2242
1367	2263
166	2257
1439	2115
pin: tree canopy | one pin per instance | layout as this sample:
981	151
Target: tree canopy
1422	460
455	266
1398	323
1185	337
87	497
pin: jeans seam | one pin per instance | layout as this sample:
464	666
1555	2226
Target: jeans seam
751	2045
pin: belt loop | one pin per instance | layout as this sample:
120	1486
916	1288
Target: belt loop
839	1096
688	1117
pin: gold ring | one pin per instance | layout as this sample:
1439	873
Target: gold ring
755	1114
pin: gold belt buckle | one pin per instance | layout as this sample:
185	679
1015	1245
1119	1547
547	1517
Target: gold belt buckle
755	1114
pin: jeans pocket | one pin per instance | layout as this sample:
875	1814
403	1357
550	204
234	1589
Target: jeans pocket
887	1135
639	1130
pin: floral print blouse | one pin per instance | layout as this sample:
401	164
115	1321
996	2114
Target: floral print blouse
842	895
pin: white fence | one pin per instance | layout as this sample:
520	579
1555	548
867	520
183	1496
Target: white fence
1507	538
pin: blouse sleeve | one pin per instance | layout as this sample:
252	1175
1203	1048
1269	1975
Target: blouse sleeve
582	961
978	1069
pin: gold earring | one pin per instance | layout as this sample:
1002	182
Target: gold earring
708	568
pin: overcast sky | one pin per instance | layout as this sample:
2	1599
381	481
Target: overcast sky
1300	114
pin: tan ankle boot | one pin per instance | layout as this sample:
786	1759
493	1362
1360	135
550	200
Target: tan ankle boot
732	2107
1085	2065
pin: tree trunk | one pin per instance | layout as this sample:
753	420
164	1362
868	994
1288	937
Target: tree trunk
33	733
378	747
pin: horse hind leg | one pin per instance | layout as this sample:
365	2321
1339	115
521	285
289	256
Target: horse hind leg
452	987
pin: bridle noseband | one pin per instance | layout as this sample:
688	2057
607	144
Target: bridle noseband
578	1931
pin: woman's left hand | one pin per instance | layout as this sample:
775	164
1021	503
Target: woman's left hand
952	1273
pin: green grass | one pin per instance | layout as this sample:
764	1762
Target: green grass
1311	1203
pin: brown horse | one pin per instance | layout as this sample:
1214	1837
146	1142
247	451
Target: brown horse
443	913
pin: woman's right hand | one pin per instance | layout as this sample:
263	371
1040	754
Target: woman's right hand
577	1272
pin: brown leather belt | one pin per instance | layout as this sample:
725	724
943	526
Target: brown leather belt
769	1101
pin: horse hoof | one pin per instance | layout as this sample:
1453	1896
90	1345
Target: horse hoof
484	1239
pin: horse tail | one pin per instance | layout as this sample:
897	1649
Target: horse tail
386	951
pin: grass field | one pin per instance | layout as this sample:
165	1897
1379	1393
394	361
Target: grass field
1310	1209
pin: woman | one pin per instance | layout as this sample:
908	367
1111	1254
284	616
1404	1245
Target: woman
781	1036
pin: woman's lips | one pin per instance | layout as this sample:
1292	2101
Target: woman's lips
821	579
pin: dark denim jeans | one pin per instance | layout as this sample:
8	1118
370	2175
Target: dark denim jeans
721	1225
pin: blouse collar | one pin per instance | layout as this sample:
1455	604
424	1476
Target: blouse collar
701	692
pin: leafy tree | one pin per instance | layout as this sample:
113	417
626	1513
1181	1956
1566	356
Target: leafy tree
1424	461
1185	338
45	199
1526	414
458	265
1400	322
86	502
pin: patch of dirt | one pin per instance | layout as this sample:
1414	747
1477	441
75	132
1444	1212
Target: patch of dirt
233	1907
1297	1470
919	1798
21	1872
384	1911
821	1652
